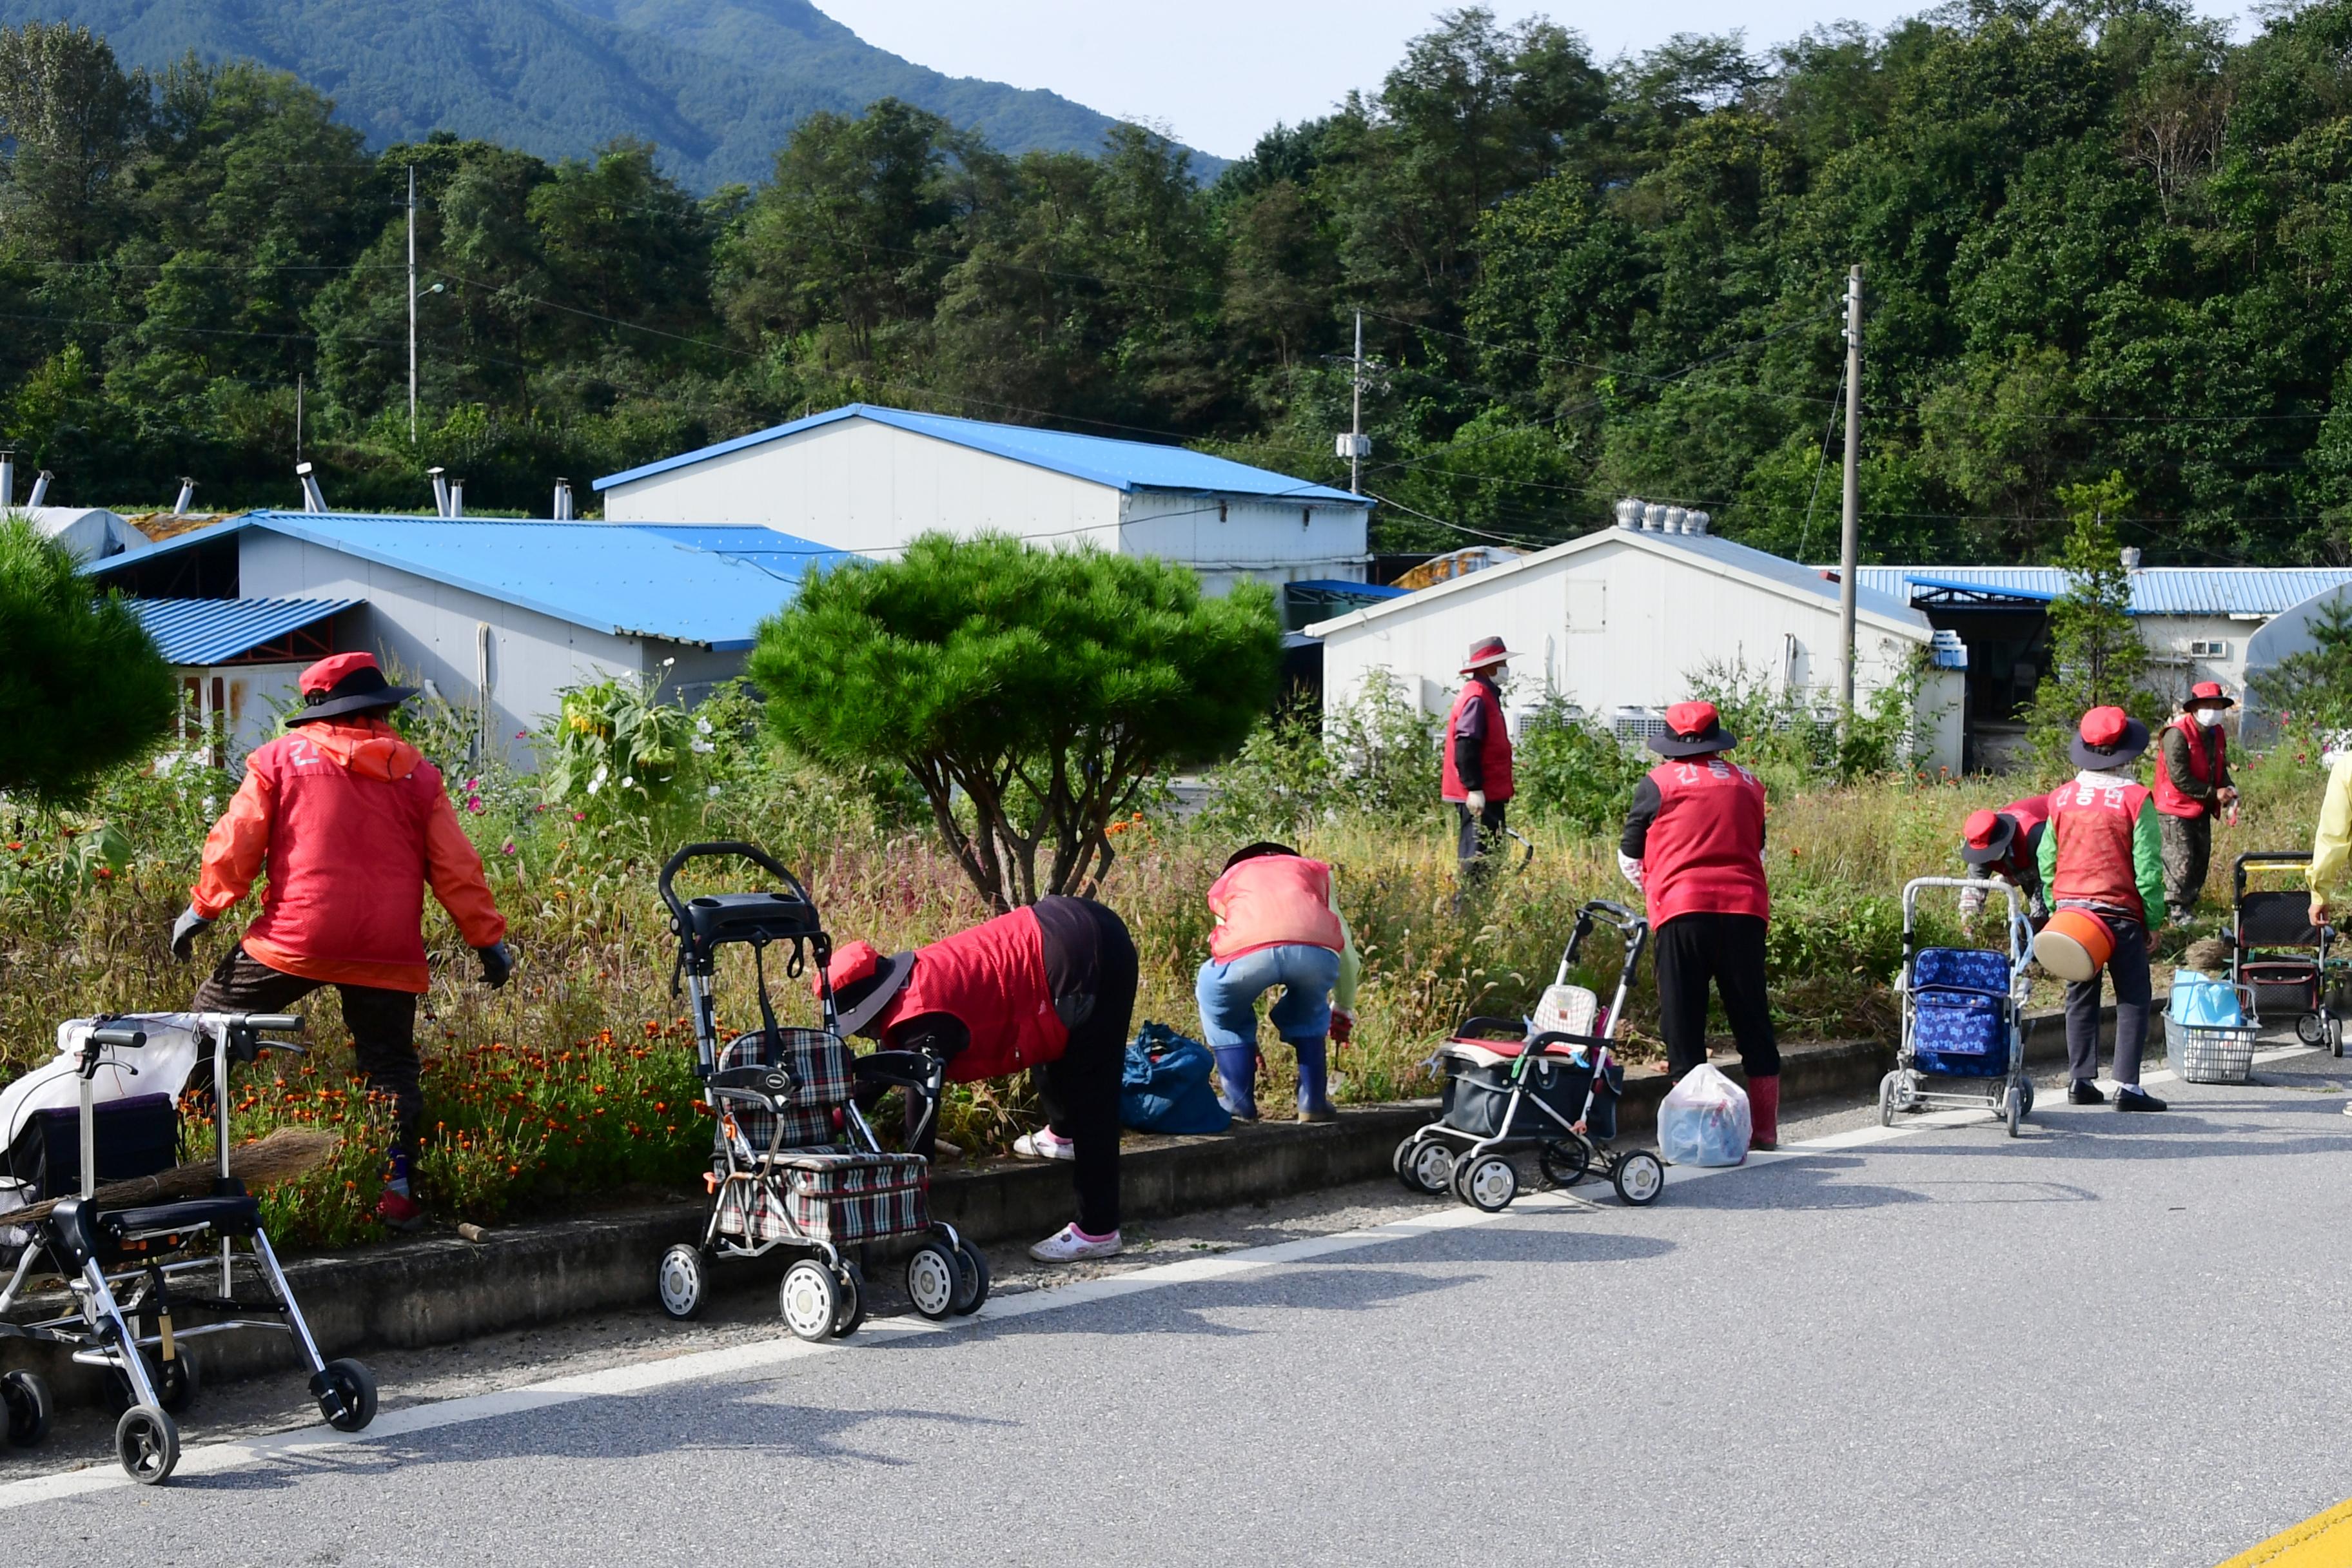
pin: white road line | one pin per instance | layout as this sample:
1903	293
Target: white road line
771	1356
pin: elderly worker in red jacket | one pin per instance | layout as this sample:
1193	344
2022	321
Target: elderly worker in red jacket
1476	767
1050	986
2192	783
1694	844
352	825
2005	846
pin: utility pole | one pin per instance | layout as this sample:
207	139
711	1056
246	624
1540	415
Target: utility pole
1849	534
1356	420
412	304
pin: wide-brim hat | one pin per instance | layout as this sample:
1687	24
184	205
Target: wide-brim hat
2109	738
1693	729
1252	851
863	983
2207	692
346	683
1486	651
1986	837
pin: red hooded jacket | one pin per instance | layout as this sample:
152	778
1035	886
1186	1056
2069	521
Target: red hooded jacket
352	825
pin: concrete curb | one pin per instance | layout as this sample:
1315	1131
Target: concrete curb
443	1290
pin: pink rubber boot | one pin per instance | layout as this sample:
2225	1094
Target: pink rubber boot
1764	1113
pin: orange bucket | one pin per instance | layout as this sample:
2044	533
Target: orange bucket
2074	945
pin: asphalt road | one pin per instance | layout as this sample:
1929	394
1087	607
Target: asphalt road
2118	1340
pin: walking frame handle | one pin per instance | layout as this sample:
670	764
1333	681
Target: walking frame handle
718	849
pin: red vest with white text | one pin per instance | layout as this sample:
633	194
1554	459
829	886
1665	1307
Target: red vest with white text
2094	825
1705	853
991	979
2204	766
1494	754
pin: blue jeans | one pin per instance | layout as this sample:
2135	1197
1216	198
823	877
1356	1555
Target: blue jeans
1228	995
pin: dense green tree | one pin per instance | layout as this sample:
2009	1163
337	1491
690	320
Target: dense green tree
82	689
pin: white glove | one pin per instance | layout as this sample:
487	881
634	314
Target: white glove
1476	802
1630	868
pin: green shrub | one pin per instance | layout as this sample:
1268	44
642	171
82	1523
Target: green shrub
1574	770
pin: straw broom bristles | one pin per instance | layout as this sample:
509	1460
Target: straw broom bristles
281	1157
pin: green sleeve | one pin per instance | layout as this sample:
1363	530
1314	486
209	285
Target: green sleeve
2047	858
2148	858
1351	969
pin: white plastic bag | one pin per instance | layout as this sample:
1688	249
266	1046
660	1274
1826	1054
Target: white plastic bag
1704	1120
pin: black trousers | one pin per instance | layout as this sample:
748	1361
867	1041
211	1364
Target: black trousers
383	1025
1091	963
2134	998
1477	837
1728	950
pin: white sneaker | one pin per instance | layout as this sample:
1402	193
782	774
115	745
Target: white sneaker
1066	1246
1043	1144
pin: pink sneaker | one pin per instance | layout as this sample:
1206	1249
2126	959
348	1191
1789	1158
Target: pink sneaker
1044	1144
1071	1244
398	1211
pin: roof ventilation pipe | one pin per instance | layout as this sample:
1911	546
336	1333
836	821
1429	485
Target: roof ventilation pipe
457	497
1674	519
2131	551
1629	513
1697	523
7	479
313	498
562	513
187	497
1653	517
40	496
440	490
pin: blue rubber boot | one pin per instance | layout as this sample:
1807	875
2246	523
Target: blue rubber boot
1238	1080
1314	1082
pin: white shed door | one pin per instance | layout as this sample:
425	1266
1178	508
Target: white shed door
1588	605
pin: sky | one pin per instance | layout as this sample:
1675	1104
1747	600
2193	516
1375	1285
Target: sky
1234	67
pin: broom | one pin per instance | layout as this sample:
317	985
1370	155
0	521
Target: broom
281	1157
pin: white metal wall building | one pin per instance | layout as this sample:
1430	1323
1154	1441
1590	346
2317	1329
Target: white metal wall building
499	616
1627	619
870	479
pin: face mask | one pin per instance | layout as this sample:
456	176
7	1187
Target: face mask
2210	717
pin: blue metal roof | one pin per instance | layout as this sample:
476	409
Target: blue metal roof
704	584
1352	590
2156	589
1123	465
212	631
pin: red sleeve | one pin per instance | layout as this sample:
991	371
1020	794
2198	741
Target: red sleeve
237	844
453	868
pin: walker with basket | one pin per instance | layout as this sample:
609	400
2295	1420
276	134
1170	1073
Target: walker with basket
1963	1040
795	1163
134	1273
2278	956
1549	1084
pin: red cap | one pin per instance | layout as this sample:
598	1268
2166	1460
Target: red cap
1977	831
1692	718
2105	727
329	673
851	964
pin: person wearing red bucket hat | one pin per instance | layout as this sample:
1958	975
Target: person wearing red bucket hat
2005	846
1475	770
1694	844
2101	853
353	825
2192	781
1049	986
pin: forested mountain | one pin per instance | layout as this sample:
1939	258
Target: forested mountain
2097	240
717	84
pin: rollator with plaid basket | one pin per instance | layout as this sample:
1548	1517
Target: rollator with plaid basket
795	1163
1963	1044
1549	1084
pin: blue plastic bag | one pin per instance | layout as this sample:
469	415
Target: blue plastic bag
2205	1002
1165	1087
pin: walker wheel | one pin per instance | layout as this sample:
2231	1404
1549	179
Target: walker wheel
971	1279
346	1394
2026	1084
2335	1037
1887	1099
2016	1107
931	1279
176	1381
2310	1029
29	1406
810	1299
1639	1178
147	1443
851	1317
682	1282
1431	1168
1566	1162
1488	1183
1402	1163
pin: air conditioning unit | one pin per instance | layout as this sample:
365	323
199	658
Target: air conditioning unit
2209	650
1636	724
